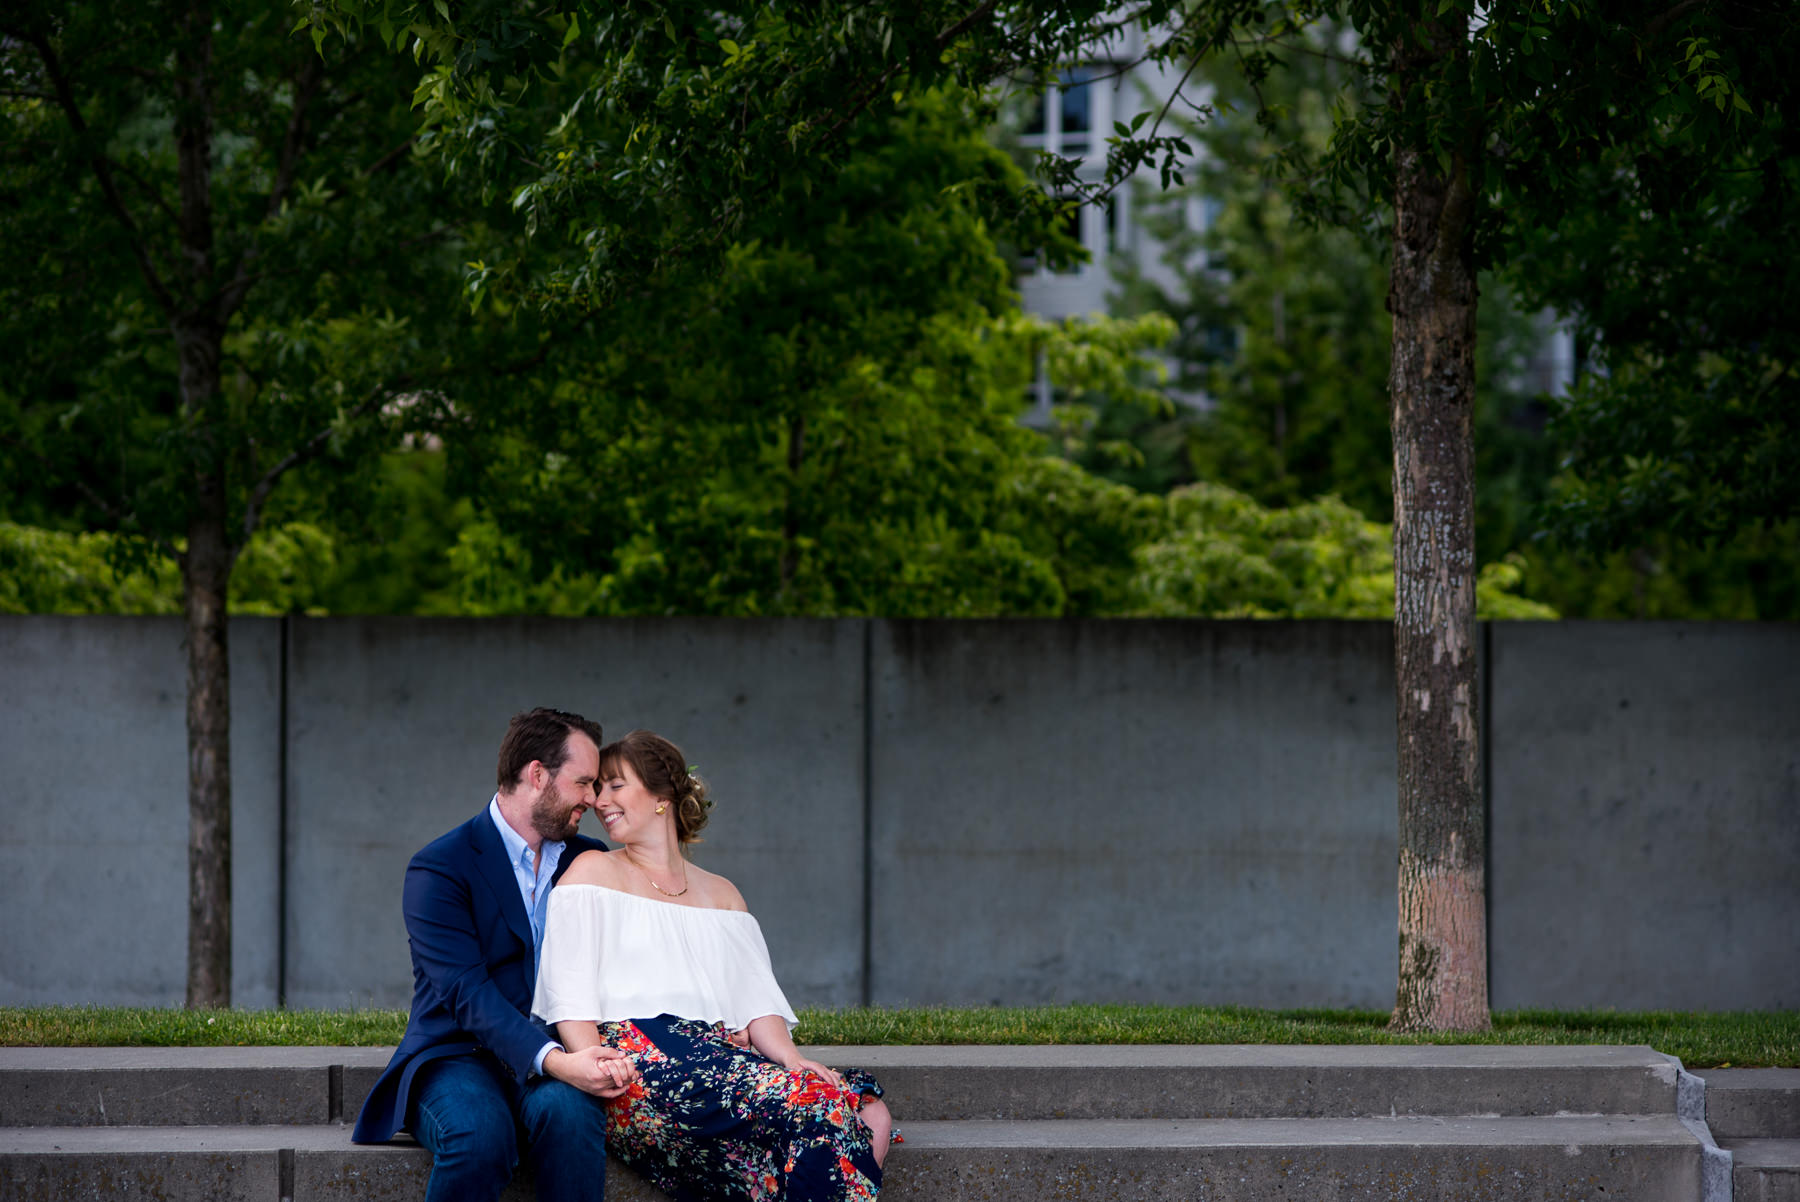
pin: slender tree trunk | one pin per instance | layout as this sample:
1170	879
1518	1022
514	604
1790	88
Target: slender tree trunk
206	563
1432	295
206	575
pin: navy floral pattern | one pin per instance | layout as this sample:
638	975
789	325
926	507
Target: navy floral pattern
707	1121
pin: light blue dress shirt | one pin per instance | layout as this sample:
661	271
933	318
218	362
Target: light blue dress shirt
533	875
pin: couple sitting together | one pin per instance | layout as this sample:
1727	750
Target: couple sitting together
672	1044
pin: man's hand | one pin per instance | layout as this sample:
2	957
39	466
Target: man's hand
601	1071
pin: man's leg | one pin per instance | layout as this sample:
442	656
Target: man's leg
461	1112
565	1133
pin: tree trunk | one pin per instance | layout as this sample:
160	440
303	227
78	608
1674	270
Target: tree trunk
206	563
206	575
1432	295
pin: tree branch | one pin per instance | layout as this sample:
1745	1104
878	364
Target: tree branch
387	160
259	494
147	188
1654	27
306	88
979	13
250	279
65	98
121	519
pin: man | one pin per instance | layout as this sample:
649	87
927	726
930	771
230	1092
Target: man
474	1072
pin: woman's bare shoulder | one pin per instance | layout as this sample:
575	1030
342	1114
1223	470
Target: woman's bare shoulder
590	868
720	894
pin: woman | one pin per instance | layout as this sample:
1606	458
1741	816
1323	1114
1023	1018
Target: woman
650	954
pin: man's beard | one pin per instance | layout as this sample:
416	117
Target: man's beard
551	817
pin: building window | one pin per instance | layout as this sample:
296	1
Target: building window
1062	119
1065	119
1077	104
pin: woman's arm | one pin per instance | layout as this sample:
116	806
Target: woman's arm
588	1065
576	1035
769	1036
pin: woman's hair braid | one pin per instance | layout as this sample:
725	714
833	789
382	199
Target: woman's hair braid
664	771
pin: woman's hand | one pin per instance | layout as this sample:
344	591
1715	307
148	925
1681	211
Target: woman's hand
802	1064
602	1071
769	1036
587	1064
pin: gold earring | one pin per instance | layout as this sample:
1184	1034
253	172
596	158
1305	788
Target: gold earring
662	807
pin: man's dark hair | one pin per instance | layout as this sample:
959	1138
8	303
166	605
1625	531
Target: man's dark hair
542	735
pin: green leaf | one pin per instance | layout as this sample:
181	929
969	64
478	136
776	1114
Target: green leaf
574	30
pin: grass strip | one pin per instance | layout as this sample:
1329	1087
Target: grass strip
1701	1040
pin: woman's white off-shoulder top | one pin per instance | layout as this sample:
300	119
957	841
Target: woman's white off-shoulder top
610	955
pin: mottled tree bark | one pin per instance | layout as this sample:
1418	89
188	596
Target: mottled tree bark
1432	295
206	574
206	562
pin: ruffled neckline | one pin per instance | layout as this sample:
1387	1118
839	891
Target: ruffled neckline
651	901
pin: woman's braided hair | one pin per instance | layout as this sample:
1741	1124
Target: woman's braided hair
665	772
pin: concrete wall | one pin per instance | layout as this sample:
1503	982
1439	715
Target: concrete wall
93	814
1050	811
1645	815
1144	811
395	726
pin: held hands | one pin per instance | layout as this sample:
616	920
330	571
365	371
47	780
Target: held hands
601	1071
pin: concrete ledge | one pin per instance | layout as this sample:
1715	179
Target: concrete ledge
255	1164
1645	1158
1764	1170
187	1086
99	1087
1262	1081
1752	1103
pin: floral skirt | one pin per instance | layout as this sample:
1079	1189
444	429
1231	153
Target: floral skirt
707	1120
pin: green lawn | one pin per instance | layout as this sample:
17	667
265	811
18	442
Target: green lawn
1700	1040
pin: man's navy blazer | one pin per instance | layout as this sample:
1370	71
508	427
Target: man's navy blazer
474	968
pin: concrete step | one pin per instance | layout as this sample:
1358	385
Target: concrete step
69	1087
1752	1103
1764	1170
1648	1158
265	1163
1260	1081
99	1087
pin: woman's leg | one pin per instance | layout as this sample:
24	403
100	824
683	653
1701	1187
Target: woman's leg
796	1136
880	1122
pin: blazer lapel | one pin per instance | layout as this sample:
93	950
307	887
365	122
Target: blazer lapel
492	866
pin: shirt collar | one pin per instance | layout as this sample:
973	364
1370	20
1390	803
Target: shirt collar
516	847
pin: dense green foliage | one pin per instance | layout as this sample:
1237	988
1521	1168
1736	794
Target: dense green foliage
328	273
798	396
1676	256
1282	324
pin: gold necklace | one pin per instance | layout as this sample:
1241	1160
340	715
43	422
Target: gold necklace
659	888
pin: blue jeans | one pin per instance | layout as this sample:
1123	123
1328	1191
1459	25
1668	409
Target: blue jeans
472	1115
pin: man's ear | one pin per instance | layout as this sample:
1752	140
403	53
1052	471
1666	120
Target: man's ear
536	775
